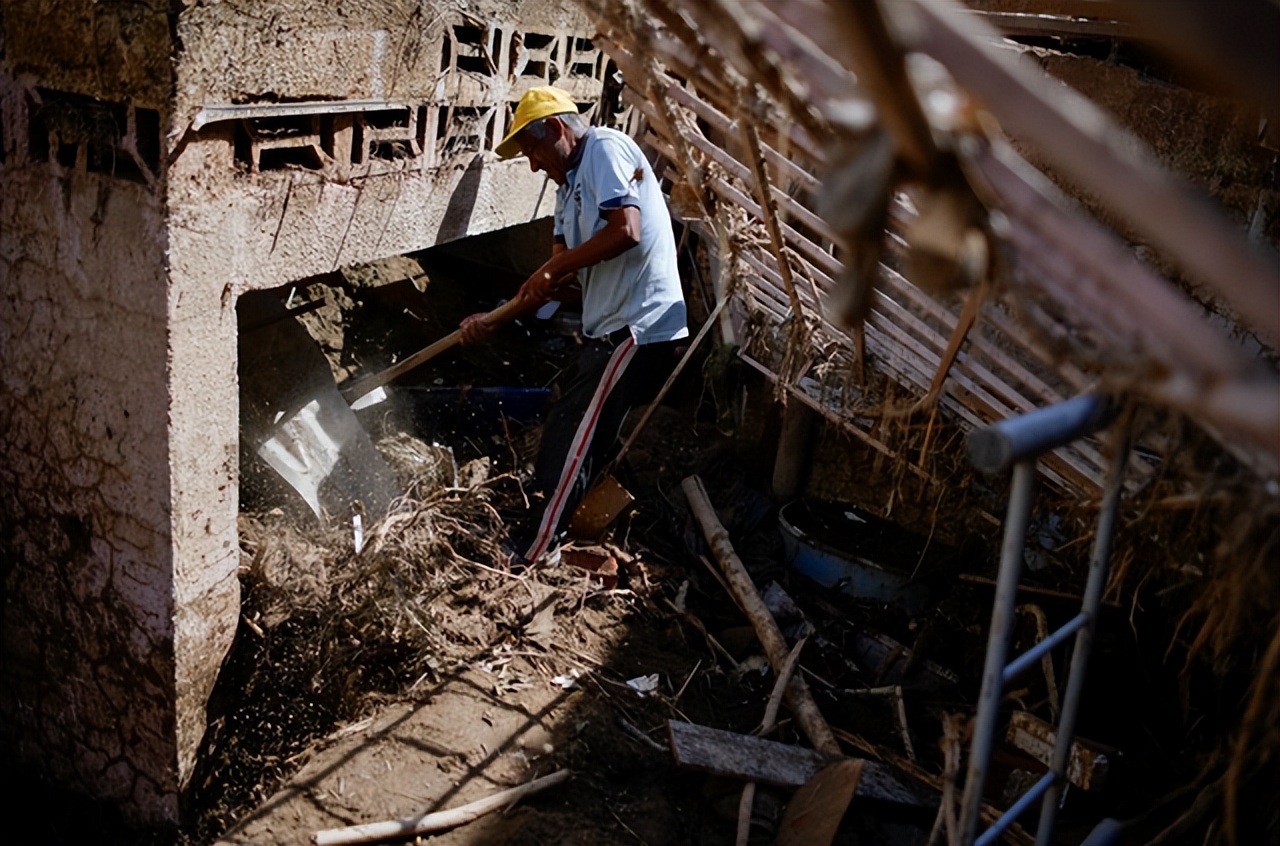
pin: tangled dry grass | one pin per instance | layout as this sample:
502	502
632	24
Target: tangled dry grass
329	630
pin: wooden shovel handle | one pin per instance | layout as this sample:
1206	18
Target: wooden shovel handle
504	313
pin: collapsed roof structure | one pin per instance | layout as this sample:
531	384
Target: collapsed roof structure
796	133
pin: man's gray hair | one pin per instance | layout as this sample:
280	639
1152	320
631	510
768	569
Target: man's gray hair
574	122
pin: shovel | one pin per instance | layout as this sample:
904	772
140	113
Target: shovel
608	498
504	313
294	421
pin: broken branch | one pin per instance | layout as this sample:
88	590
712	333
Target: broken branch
744	591
439	821
766	725
780	686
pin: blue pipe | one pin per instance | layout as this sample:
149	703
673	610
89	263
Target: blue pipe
1003	444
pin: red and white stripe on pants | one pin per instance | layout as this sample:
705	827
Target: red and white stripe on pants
622	355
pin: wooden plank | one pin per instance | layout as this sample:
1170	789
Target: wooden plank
742	756
825	76
972	377
844	423
1064	109
1088	765
782	198
1075	467
720	122
908	369
1021	23
1080	460
1229	396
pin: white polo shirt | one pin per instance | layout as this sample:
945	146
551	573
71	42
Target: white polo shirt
639	289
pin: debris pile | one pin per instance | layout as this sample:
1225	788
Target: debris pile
332	619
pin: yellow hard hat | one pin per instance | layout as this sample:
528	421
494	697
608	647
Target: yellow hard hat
537	103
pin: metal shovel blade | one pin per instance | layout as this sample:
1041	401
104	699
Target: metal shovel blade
325	455
294	420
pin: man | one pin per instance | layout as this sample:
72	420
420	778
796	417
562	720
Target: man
613	231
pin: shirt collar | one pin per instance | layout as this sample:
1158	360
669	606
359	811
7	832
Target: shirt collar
576	156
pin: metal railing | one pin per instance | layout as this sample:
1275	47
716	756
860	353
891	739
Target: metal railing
1017	443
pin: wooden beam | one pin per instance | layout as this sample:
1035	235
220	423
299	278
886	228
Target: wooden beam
1022	24
726	753
791	461
1063	467
800	700
1208	377
890	318
1096	154
914	327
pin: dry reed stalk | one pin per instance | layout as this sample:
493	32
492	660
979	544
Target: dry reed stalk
798	696
766	725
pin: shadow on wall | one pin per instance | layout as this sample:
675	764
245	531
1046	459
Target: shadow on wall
462	202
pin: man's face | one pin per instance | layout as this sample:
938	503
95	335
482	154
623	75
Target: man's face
547	154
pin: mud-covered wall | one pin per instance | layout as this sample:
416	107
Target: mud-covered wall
133	212
115	49
299	187
87	601
1211	141
302	189
307	137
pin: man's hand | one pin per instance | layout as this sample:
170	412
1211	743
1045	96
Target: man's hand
537	288
475	328
541	287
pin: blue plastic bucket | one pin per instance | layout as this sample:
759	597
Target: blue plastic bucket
843	547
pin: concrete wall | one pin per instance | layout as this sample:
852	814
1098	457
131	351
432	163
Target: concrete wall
87	585
129	225
86	599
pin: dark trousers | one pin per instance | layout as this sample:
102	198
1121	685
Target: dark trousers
610	377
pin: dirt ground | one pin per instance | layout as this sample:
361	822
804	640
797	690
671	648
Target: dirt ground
552	687
504	720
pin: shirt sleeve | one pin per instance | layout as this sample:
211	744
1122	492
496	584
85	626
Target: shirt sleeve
615	174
